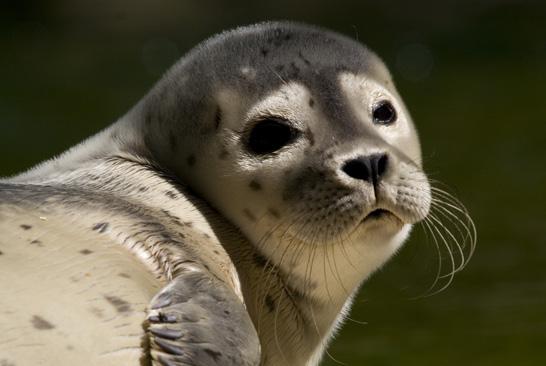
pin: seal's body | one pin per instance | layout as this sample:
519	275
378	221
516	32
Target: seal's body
71	292
256	186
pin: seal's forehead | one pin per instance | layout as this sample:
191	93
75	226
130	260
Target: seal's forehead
288	50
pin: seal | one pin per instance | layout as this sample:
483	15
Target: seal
228	218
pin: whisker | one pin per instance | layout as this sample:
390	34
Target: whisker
427	226
455	241
450	226
467	235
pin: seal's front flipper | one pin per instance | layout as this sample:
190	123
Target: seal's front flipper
197	320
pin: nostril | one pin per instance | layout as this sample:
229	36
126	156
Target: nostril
368	168
381	164
357	169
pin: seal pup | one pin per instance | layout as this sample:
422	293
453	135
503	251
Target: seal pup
227	219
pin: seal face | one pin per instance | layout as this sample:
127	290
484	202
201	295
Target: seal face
290	135
306	132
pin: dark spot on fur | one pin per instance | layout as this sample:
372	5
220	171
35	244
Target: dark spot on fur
191	160
249	214
279	68
310	136
148	140
1	252
171	195
99	313
214	354
255	185
277	38
124	275
143	189
101	227
26	227
226	312
216	252
207	267
36	242
188	223
311	102
217	118
295	69
206	235
305	60
86	251
40	323
259	260
297	294
174	218
121	305
181	235
264	51
270	303
70	348
274	213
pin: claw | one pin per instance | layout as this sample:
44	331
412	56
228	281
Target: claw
166	333
168	318
165	361
169	347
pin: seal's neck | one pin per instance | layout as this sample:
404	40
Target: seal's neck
293	327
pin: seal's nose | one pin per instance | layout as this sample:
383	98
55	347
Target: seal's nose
369	168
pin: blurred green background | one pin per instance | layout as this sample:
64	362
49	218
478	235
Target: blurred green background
472	74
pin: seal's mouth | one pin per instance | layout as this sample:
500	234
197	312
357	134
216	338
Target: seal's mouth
380	214
377	214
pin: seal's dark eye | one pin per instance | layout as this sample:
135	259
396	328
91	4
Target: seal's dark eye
269	135
384	113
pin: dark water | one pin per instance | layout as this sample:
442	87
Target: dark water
474	78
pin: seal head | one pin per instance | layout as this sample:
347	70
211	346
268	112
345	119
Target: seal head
296	134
